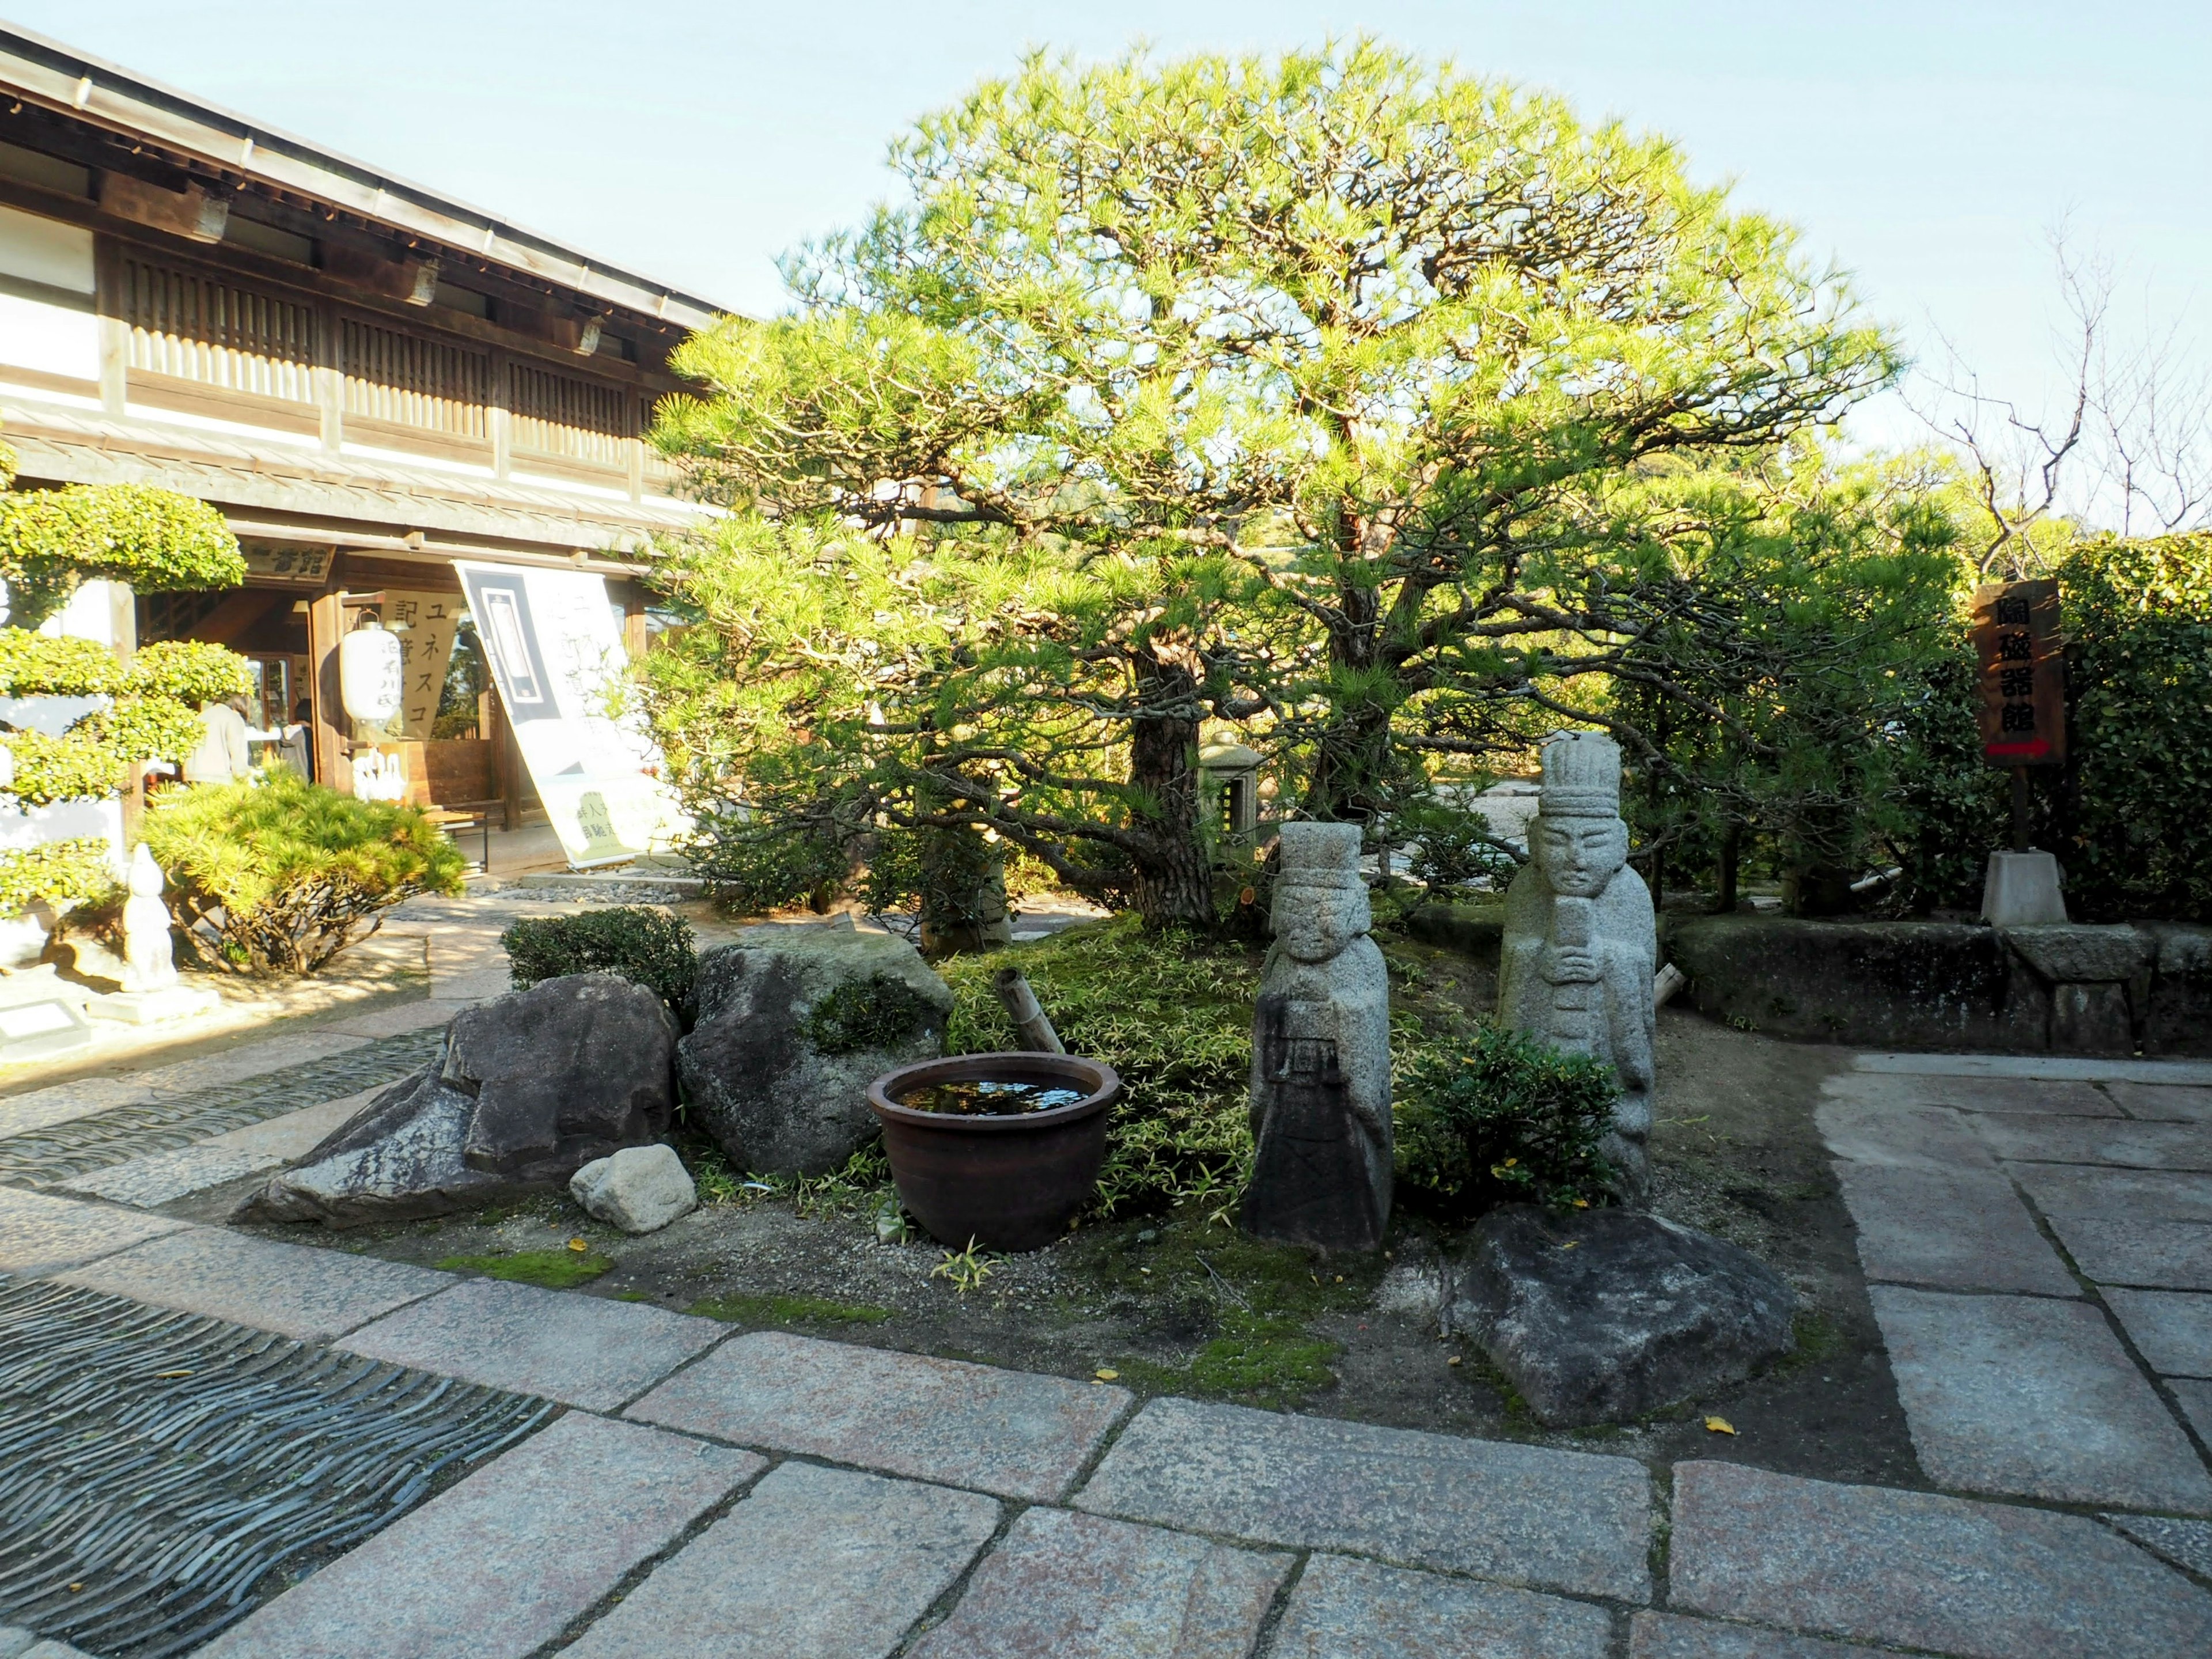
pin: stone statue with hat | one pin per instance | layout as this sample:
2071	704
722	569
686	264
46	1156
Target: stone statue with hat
1580	940
1321	1055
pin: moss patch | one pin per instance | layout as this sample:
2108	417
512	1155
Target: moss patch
788	1310
557	1270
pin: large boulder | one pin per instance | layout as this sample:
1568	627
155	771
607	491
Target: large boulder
794	1023
1603	1314
531	1087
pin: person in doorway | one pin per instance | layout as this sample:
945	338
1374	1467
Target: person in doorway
222	756
300	741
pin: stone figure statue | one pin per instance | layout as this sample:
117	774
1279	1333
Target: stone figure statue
148	952
1321	1055
1581	940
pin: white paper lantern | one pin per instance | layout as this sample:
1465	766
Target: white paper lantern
371	680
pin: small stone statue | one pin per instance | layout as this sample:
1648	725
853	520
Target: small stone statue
1321	1055
148	952
1580	940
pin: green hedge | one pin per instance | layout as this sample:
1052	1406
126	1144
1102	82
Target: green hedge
645	945
60	872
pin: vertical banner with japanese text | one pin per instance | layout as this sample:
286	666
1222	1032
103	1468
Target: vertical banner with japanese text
556	658
2022	678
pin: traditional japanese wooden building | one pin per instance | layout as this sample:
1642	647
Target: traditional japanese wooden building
369	380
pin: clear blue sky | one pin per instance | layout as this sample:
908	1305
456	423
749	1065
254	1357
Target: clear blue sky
1925	146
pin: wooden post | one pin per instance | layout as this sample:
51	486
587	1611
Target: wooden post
326	627
634	636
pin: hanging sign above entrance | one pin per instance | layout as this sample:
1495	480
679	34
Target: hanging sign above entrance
2022	682
555	654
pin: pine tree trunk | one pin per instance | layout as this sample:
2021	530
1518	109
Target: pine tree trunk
1174	887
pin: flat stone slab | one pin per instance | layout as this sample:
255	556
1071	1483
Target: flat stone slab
814	1564
1965	1229
581	1350
1349	1609
1987	1581
2037	1068
2172	1330
506	1559
249	1061
1976	1094
1065	1583
160	1178
395	1021
2173	1255
301	1291
43	1235
1670	1636
2036	1397
64	1103
2127	1195
1529	1515
2164	1100
471	985
1909	1136
2196	1398
2185	1543
2099	1141
1012	1433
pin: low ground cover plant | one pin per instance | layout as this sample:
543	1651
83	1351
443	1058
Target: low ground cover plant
275	874
1501	1118
638	942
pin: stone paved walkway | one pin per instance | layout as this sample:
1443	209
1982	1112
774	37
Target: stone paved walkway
2041	1247
2036	1233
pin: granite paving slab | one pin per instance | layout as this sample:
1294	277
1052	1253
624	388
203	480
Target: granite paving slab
1065	1583
53	1650
2172	1329
813	1563
2098	1140
2185	1543
161	1178
1962	1229
394	1020
40	1234
2195	1397
1528	1515
2035	1397
1986	1581
471	985
2126	1194
13	1639
1343	1609
2174	1255
295	1288
1012	1433
1910	1136
1906	1093
2037	1068
584	1350
2164	1100
250	1060
1670	1636
506	1559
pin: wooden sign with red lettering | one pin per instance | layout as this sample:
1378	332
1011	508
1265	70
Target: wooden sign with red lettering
2023	674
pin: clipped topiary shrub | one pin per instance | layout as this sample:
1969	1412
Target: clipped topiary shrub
277	875
1501	1119
62	873
644	945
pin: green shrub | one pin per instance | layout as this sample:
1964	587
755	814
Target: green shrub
874	1015
1502	1118
48	666
644	945
72	767
276	874
154	539
189	671
1170	1012
60	872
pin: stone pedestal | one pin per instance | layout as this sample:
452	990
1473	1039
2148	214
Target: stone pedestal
152	1007
2021	891
38	1016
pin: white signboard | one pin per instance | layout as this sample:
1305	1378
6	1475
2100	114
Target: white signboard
555	655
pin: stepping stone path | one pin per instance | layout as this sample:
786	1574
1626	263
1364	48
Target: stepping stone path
2037	1235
